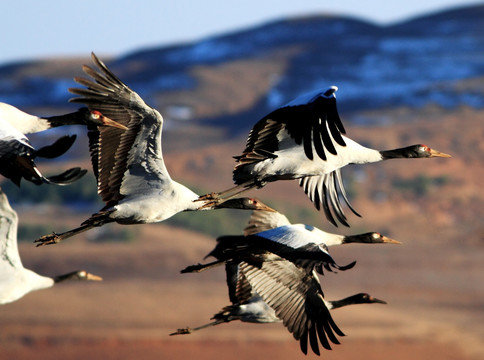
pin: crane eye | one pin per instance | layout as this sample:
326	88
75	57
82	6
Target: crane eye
424	148
95	114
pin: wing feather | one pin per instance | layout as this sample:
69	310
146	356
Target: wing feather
264	220
326	191
297	299
311	124
111	148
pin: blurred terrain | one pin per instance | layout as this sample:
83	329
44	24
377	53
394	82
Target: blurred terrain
416	82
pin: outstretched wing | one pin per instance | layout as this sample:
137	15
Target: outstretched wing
297	299
113	150
311	122
240	291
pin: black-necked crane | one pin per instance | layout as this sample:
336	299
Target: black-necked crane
131	174
280	262
270	235
295	295
283	277
305	140
17	155
248	306
15	280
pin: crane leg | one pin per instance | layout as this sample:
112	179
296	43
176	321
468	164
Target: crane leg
98	219
56	238
189	330
202	267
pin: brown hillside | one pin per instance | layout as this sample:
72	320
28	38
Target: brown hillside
432	282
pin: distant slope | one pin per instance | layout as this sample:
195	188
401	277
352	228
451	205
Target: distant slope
238	77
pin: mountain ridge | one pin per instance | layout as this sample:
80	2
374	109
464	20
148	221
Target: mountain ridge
420	61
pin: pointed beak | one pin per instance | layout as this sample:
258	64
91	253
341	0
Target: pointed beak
435	153
387	240
264	207
92	277
108	122
378	301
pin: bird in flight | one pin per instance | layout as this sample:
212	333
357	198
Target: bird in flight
15	280
306	140
132	178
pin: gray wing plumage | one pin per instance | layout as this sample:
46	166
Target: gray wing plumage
298	300
240	290
112	149
264	220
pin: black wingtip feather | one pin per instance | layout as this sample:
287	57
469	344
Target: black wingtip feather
58	148
67	177
322	335
316	199
303	342
313	340
335	327
308	149
328	143
329	333
345	267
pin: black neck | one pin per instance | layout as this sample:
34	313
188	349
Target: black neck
71	275
401	153
365	238
350	300
74	118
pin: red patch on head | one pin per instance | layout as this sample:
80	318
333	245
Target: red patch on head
95	112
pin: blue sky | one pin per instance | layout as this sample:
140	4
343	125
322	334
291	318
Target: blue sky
38	29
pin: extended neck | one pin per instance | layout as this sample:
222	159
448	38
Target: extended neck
242	204
365	238
401	153
77	275
70	276
369	238
74	118
362	298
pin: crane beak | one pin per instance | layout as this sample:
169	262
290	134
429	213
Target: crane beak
387	240
108	122
435	153
375	300
263	207
92	277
